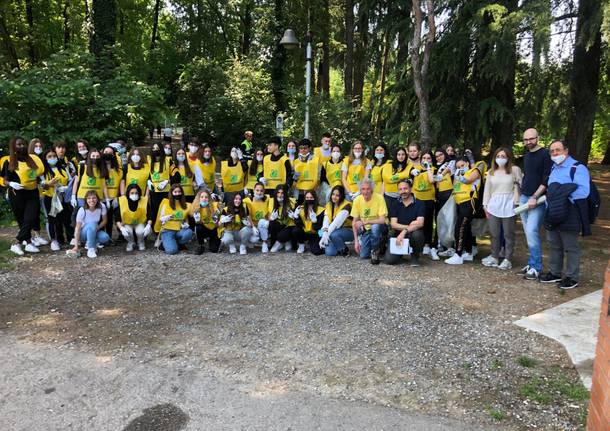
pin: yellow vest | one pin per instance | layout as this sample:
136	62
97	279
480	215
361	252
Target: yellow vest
423	189
355	173
113	182
466	192
137	176
391	179
275	172
446	183
207	215
318	153
28	177
185	181
258	210
232	177
309	178
179	214
208	170
287	221
376	173
251	179
332	212
236	223
3	159
62	177
333	173
308	224
86	183
156	177
133	217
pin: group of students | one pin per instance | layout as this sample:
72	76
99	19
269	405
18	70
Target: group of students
309	198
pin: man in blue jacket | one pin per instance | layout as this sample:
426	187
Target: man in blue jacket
566	215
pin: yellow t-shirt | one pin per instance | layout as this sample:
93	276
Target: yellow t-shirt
307	223
287	221
275	172
28	177
179	215
391	178
466	192
423	189
113	182
376	172
355	172
207	215
251	179
371	210
86	183
137	176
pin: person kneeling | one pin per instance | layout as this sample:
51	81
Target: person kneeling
407	216
133	218
90	222
172	221
369	212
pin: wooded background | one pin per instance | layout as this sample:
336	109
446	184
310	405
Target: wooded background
471	73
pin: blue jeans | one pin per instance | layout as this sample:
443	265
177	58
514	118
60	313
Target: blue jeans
92	236
371	238
171	239
337	241
532	221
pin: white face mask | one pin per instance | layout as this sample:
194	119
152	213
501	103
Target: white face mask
357	154
181	158
379	156
135	158
259	196
83	152
168	151
304	156
193	149
501	162
335	155
325	146
558	159
134	197
38	150
280	198
259	158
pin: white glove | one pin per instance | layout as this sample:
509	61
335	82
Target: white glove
226	219
147	230
150	185
62	189
125	232
15	186
438	177
296	213
296	175
312	216
240	155
263	181
274	215
108	203
354	195
115	203
185	225
246	192
162	185
324	240
246	222
164	219
214	196
415	172
73	201
197	217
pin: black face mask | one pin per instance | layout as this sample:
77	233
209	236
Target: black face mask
107	157
309	202
21	151
177	197
156	153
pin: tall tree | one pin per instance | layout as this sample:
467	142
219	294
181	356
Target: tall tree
103	13
349	49
360	54
31	31
66	18
7	43
153	40
585	78
247	22
278	59
324	70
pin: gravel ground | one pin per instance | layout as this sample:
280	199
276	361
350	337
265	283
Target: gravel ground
435	340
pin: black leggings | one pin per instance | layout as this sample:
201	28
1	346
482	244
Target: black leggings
312	240
61	223
211	234
26	208
441	200
463	228
428	222
285	234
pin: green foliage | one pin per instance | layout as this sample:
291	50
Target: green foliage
496	414
6	255
59	99
545	391
527	362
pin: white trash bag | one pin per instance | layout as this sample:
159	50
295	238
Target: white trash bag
445	223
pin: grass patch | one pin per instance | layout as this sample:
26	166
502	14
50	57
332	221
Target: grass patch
496	364
496	414
527	362
573	391
6	255
536	390
548	391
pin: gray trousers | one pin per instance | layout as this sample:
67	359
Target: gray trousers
564	242
496	226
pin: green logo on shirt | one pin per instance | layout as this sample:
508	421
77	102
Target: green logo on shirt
337	175
32	174
133	181
179	215
274	173
233	179
355	178
259	215
367	212
91	181
110	182
306	175
184	179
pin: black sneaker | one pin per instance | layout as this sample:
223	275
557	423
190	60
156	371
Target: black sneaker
414	260
375	256
182	247
344	252
550	278
200	250
568	283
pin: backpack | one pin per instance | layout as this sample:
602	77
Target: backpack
593	200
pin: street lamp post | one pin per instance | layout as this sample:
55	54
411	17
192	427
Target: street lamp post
289	41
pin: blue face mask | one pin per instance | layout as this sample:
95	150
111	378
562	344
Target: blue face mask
203	204
52	162
292	150
180	158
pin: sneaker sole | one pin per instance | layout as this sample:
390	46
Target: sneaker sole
489	265
547	281
568	287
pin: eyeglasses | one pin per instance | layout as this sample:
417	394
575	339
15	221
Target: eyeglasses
530	139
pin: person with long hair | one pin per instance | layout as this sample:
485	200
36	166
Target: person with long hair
281	224
183	175
331	170
233	174
21	172
392	173
136	172
255	170
91	219
113	183
91	176
55	184
467	183
133	217
337	225
82	149
292	150
308	219
206	212
425	192
501	195
171	221
36	148
160	170
354	169
444	188
208	167
237	225
382	158
258	208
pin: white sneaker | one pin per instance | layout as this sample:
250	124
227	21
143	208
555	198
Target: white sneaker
276	247
467	257
426	250
531	274
31	248
37	240
16	248
55	245
232	249
447	253
434	254
141	246
455	260
73	241
489	261
129	246
243	249
91	253
288	246
505	265
475	250
301	249
255	239
265	247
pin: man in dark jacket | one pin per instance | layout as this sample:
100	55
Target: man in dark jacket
566	215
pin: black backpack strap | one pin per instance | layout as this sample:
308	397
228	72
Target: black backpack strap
573	170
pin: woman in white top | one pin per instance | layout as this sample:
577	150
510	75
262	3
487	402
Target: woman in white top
90	222
499	200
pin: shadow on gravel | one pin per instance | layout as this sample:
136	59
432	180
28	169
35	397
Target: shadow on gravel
162	417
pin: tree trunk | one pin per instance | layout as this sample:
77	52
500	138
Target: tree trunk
585	79
360	55
153	40
31	44
66	25
103	14
278	60
384	71
7	43
606	159
349	49
324	73
246	23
